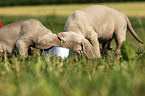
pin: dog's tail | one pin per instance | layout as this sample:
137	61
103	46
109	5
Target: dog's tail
132	30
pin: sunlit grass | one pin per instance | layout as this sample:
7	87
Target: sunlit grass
52	76
130	9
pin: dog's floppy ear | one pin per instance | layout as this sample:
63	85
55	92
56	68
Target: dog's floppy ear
87	48
48	41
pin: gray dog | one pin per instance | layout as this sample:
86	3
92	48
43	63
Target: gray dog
85	28
23	34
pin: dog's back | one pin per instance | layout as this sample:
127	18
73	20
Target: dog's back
8	36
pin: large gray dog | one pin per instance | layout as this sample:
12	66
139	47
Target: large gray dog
89	26
23	34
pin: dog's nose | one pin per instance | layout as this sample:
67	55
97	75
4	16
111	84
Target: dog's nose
61	43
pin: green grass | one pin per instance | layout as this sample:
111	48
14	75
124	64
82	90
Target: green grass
52	76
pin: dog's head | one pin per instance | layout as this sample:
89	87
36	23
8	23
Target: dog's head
76	42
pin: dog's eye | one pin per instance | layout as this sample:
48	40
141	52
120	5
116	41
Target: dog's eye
59	38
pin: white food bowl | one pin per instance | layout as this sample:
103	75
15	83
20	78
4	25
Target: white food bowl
58	51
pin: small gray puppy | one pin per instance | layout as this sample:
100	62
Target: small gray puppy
24	34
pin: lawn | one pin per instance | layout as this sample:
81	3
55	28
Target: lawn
128	8
52	76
